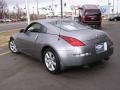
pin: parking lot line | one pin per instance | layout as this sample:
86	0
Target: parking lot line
5	53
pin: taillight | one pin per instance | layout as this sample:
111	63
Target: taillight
72	41
87	18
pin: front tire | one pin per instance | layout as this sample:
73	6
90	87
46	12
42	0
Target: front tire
115	20
51	61
12	46
107	58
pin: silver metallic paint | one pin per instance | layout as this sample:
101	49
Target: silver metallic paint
32	43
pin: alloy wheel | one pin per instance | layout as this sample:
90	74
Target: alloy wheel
50	61
12	46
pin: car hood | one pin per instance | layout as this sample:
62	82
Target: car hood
83	35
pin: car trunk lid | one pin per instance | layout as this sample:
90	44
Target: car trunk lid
83	35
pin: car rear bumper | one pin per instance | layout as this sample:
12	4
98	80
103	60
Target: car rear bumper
92	22
81	56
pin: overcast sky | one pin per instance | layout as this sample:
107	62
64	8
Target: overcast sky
43	3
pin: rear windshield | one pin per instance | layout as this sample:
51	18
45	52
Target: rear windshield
69	25
93	12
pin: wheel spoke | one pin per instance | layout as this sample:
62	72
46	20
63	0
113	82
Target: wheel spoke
53	58
52	67
50	54
47	55
49	65
11	43
53	63
14	49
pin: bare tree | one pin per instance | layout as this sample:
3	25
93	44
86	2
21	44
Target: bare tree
3	6
20	12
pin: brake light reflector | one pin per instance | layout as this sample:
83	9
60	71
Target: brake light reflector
72	41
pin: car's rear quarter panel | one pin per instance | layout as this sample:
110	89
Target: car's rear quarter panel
73	58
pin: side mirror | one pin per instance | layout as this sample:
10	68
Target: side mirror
22	30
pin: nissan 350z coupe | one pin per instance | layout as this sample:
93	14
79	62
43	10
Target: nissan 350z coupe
62	43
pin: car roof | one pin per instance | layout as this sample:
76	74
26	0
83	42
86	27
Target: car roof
44	21
90	6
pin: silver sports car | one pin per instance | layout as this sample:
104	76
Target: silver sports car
62	43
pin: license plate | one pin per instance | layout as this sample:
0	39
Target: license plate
102	47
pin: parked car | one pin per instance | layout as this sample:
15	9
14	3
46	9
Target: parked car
62	43
114	17
5	20
8	20
13	20
91	15
2	20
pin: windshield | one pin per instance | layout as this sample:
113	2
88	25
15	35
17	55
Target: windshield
69	25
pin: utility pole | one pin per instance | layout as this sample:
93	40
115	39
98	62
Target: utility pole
53	7
33	10
15	12
108	8
61	9
113	6
117	6
37	7
27	10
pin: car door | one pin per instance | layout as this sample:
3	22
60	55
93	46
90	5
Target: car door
26	40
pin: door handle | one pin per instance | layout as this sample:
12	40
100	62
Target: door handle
36	37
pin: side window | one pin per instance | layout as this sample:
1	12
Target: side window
34	28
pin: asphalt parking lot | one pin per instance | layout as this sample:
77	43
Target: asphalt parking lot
21	72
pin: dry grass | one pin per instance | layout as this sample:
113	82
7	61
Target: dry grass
4	36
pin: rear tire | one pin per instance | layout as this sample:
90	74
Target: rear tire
51	61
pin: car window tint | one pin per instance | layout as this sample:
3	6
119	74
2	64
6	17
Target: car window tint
34	28
37	27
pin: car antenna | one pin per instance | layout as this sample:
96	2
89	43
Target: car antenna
60	29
